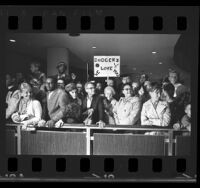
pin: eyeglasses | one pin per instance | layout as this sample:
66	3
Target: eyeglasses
127	89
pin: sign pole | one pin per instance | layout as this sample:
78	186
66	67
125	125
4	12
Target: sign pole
107	79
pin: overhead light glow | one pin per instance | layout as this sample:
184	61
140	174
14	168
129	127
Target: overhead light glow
160	63
94	47
12	40
153	52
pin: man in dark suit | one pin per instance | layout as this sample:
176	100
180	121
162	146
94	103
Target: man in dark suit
57	101
92	106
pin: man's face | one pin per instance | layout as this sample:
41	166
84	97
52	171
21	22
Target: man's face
49	84
173	77
90	89
110	83
61	84
61	69
79	87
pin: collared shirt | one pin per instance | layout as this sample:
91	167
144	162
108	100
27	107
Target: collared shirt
89	102
61	76
50	93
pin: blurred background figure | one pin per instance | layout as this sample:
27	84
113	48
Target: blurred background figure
99	89
62	72
174	79
36	73
12	96
61	83
80	90
143	78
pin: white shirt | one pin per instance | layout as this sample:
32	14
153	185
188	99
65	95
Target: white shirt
89	102
50	93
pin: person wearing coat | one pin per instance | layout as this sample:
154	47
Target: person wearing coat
57	101
154	111
29	111
109	103
92	107
127	110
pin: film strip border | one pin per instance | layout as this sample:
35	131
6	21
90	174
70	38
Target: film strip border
75	20
97	167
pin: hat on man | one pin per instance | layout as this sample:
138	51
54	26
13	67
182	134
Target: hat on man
69	87
61	63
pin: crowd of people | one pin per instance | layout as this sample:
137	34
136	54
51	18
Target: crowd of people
52	101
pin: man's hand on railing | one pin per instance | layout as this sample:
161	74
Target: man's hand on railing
50	123
59	123
177	126
41	123
101	124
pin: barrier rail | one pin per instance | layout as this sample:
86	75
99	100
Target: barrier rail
90	131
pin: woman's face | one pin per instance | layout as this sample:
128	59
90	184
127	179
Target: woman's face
127	91
73	93
108	94
26	94
155	95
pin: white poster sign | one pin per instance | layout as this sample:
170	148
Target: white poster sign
106	66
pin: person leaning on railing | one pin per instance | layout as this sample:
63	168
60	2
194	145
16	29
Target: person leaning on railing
92	107
29	110
127	110
154	111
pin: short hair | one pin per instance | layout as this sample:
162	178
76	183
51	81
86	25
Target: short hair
111	89
174	71
87	83
155	86
52	78
126	85
169	88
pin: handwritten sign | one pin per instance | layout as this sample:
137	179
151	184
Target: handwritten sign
106	66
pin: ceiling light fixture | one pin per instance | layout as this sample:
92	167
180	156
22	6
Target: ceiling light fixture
153	52
160	63
94	47
12	40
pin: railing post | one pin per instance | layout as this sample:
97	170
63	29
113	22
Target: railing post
88	140
18	140
170	144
